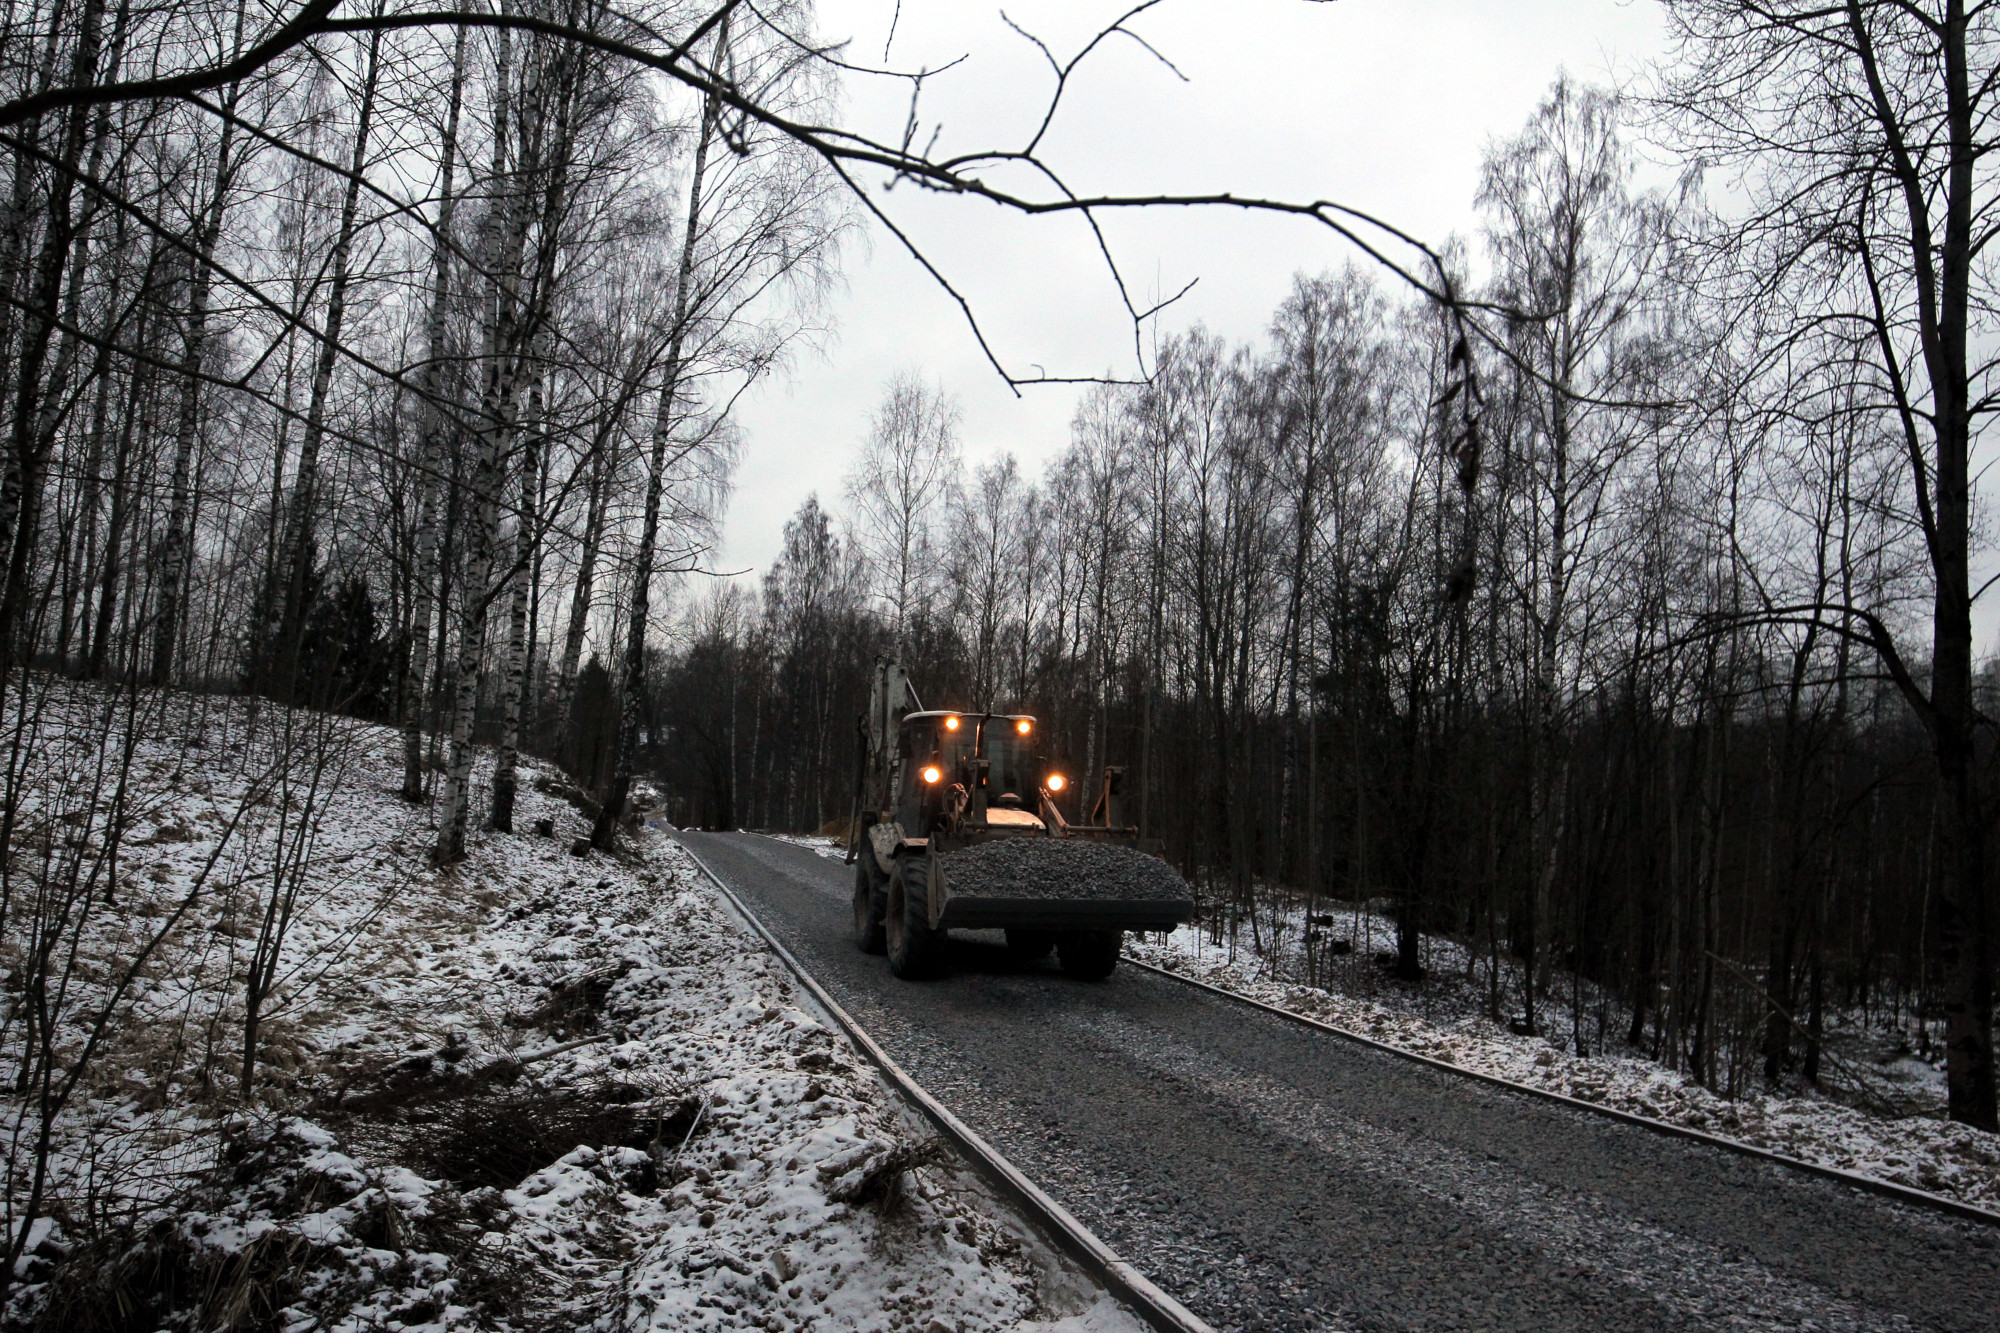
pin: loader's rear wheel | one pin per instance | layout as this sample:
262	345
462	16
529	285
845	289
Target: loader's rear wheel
870	898
915	950
1089	955
1029	946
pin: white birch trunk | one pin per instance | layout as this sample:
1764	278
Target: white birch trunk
500	816
504	232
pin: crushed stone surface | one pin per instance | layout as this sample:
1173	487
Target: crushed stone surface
1276	1178
1035	867
1924	1152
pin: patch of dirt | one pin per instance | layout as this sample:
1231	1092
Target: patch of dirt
465	1126
560	787
573	1007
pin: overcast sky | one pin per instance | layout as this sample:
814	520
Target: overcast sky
1385	105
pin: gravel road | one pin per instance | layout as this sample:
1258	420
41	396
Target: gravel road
1273	1177
1060	868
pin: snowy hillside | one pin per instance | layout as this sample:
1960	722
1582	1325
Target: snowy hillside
533	1091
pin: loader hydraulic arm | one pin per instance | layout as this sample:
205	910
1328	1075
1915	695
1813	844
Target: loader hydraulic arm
1052	815
860	785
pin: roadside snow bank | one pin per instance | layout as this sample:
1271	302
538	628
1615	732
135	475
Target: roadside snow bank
834	849
1935	1155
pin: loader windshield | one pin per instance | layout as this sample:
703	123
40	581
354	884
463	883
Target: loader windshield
950	742
1010	762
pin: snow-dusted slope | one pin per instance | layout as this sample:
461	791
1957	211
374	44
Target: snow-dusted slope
533	1090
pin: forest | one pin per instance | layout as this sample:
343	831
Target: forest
1652	707
1596	589
1622	758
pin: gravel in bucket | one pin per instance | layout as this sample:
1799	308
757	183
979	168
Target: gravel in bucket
1060	868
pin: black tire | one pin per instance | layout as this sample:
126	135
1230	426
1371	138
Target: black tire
870	897
1089	955
1029	946
915	950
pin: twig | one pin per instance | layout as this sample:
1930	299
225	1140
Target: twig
700	1110
558	1050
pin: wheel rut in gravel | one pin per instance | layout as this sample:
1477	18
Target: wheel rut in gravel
1273	1177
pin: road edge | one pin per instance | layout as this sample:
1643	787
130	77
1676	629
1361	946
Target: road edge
1126	1283
1907	1194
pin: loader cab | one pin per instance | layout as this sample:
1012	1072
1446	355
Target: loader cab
972	773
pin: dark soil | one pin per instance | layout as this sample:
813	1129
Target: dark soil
554	784
1060	868
488	1127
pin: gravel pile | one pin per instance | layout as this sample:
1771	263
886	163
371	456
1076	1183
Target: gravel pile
1060	868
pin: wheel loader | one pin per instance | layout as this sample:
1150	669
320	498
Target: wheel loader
935	788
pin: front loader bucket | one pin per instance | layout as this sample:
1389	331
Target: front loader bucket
1057	884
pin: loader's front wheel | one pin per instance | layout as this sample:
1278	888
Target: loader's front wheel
1089	955
869	893
915	950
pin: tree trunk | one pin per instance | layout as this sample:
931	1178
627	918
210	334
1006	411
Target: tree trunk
505	231
77	571
170	557
432	472
21	486
505	769
281	656
139	398
603	473
632	682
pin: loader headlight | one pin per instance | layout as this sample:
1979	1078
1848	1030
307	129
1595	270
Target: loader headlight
1024	726
932	773
1055	782
951	724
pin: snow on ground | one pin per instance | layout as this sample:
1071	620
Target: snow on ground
834	849
533	1091
1445	1020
